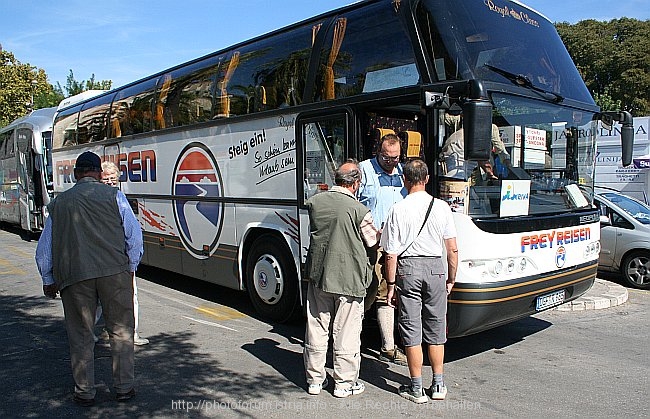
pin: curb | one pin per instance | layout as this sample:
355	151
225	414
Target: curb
602	294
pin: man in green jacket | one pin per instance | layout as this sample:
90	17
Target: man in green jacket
339	273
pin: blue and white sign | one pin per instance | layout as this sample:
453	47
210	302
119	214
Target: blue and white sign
515	197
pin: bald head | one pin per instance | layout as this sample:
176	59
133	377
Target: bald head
347	174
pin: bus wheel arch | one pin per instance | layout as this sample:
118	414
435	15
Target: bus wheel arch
270	276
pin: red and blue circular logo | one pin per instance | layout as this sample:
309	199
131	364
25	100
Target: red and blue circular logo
560	256
198	220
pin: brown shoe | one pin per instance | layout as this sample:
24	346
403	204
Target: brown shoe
124	397
82	402
395	355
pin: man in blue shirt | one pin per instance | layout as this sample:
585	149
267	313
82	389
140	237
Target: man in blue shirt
381	187
90	247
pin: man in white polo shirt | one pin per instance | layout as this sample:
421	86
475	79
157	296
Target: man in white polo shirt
417	232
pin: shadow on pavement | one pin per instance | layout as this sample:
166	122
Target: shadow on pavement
493	339
171	376
237	300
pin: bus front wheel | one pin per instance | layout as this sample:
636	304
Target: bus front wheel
271	279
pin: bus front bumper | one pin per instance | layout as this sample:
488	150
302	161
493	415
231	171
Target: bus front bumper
473	308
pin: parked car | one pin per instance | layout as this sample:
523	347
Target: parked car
624	237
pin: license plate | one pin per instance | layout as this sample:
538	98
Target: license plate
550	300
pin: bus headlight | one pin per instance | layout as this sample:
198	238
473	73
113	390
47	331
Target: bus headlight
498	267
592	249
522	265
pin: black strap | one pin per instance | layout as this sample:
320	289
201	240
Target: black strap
426	217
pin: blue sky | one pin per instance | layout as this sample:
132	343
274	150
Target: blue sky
125	40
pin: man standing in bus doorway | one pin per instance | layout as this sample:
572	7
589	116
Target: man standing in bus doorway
381	187
417	232
90	247
111	177
339	273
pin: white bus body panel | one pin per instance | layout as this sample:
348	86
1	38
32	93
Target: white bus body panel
251	160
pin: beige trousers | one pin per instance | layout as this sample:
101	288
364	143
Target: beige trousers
345	314
115	293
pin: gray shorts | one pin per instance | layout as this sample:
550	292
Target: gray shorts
422	296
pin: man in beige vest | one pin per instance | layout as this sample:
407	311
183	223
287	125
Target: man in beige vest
90	247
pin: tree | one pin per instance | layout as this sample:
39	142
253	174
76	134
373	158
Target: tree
613	59
22	87
73	87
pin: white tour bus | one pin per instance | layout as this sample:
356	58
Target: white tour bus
218	155
26	169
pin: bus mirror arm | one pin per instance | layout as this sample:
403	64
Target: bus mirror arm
627	132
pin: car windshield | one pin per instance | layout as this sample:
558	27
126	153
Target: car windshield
636	209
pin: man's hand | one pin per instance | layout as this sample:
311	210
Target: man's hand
50	291
391	297
449	286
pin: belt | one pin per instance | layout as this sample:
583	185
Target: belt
419	257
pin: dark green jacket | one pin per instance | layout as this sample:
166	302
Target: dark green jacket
337	261
87	234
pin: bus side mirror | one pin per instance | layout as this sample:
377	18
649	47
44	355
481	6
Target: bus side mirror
627	132
477	126
627	143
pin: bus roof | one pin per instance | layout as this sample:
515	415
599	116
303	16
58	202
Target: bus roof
69	101
40	119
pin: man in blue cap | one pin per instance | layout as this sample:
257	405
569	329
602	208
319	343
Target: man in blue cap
90	247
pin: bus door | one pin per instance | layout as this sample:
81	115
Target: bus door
322	148
24	165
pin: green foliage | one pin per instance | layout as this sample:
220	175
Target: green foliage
613	59
23	88
19	84
74	87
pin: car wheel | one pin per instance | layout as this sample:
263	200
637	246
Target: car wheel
636	269
271	279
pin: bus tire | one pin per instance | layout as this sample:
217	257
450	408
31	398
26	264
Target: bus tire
271	279
636	269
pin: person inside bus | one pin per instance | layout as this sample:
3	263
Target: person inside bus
452	154
485	191
483	175
381	187
111	177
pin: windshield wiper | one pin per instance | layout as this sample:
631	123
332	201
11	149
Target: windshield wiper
521	80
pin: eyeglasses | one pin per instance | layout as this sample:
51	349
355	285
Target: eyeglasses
110	179
388	159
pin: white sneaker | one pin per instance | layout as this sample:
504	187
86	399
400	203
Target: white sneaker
139	341
314	389
438	392
357	388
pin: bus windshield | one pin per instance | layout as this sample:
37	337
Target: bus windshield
544	148
474	40
557	151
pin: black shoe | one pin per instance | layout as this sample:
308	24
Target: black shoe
82	402
123	397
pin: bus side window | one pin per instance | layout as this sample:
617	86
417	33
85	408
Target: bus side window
363	55
5	139
161	117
